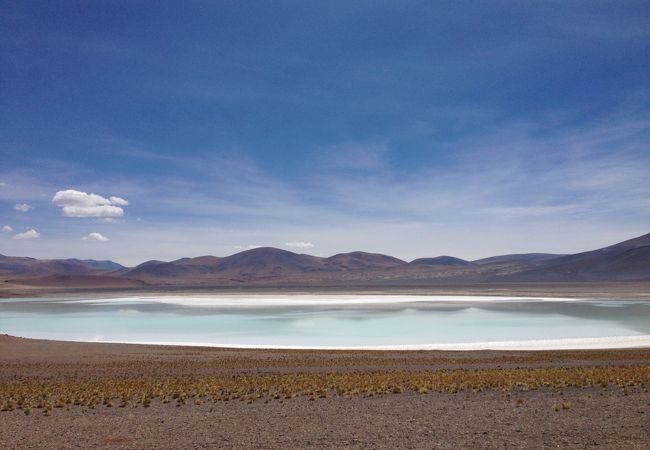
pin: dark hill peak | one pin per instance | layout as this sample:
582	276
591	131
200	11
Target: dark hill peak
264	251
151	262
98	264
443	260
362	260
207	260
268	261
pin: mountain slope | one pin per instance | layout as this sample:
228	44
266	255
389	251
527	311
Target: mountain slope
184	267
267	261
517	258
627	260
441	261
100	265
17	265
361	261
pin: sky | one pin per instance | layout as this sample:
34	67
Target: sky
156	130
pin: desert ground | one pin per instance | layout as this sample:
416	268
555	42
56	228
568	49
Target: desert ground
87	395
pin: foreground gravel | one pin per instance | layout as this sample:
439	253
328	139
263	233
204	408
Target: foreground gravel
571	418
606	417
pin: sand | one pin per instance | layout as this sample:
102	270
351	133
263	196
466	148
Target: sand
611	416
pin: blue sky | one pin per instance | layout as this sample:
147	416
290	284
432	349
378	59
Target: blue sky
409	128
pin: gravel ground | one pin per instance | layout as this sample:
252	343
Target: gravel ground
608	417
591	417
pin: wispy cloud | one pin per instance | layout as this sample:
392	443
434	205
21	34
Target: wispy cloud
585	171
98	237
299	244
29	234
247	247
23	207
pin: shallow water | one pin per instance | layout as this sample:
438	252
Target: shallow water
330	321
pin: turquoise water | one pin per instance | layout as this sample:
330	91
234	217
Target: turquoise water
342	322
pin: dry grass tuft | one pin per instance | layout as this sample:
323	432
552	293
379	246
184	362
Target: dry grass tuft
48	394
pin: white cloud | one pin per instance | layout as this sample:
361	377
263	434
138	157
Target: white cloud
2	184
23	207
93	211
95	237
299	244
7	229
247	247
119	201
81	204
29	234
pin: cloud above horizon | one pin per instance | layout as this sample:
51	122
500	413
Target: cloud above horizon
247	247
81	204
7	229
23	207
95	237
299	244
29	234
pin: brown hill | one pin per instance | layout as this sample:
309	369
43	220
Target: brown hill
628	260
267	262
625	261
441	261
361	261
517	258
17	265
204	261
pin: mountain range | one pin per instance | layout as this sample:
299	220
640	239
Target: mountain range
625	261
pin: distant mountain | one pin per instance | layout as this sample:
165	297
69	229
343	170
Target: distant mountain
198	261
16	265
266	262
638	242
517	258
628	260
361	261
258	262
150	263
156	270
263	262
101	265
441	261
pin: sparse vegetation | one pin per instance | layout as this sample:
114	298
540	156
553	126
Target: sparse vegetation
45	394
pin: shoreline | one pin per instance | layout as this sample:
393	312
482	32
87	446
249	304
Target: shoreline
303	299
636	342
600	343
627	289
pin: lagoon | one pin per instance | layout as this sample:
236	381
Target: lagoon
334	321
